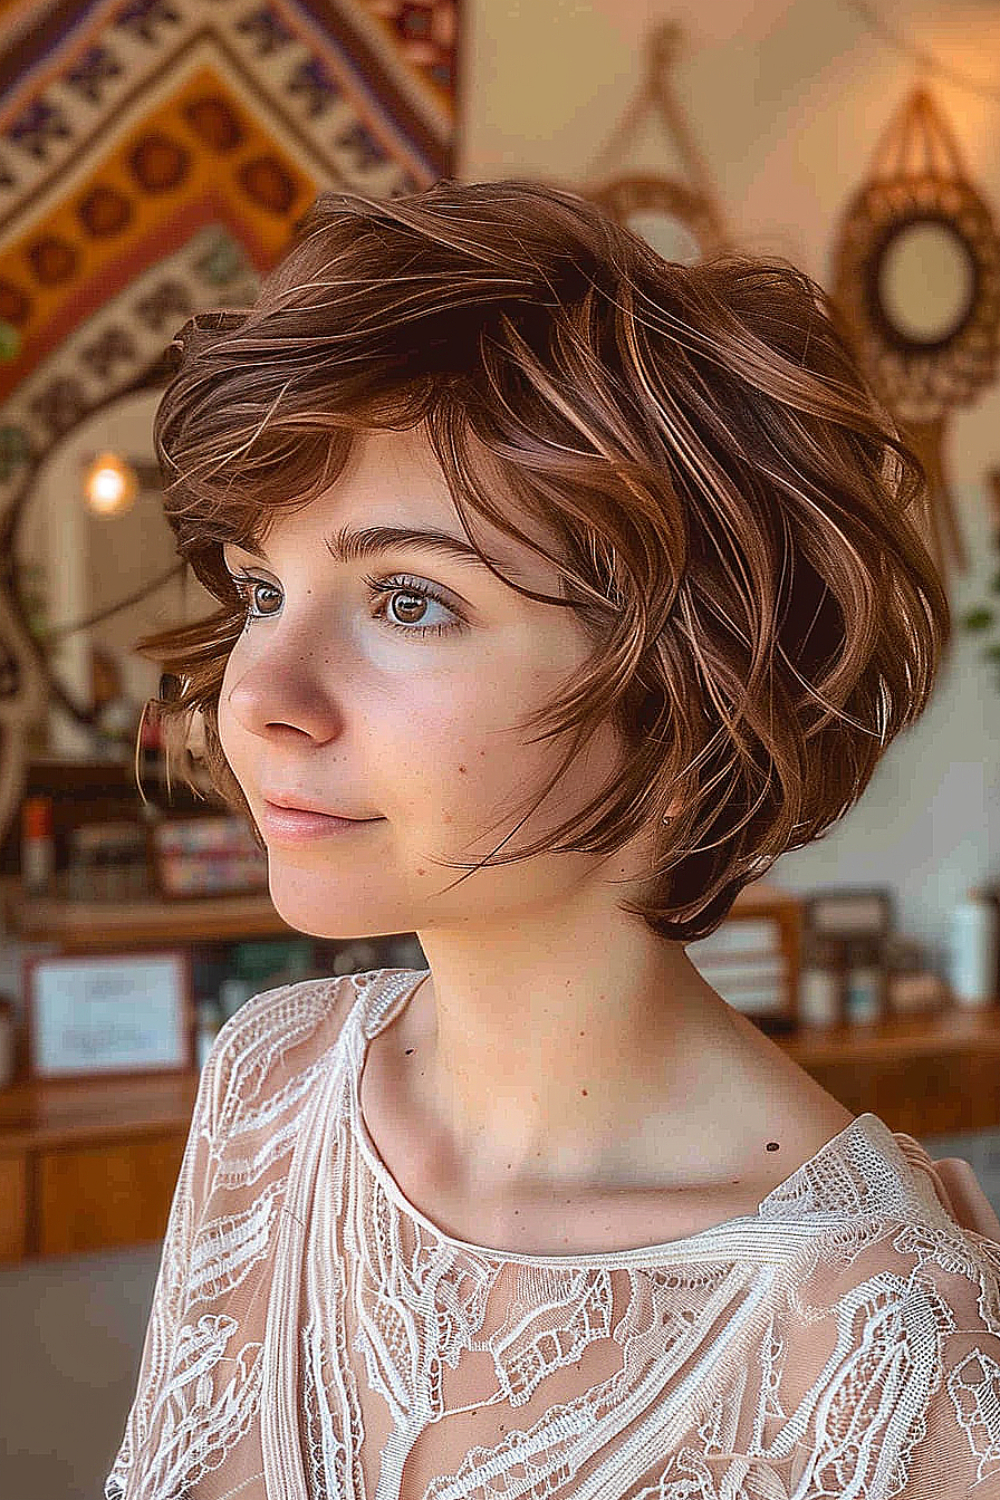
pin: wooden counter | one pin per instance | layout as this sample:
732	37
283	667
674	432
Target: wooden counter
84	1164
928	1075
88	1164
102	926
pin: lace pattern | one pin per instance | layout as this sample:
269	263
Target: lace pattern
312	1336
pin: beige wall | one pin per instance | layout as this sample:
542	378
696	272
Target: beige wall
787	102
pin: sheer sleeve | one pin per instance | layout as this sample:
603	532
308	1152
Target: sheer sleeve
190	1196
893	1364
917	1413
950	1446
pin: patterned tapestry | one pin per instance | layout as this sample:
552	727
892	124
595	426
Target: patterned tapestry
155	156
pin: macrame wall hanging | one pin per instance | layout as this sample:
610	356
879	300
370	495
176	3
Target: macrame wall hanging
917	278
980	618
682	220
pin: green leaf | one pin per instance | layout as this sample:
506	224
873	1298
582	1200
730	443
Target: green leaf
978	619
10	340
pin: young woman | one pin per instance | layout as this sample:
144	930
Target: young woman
590	575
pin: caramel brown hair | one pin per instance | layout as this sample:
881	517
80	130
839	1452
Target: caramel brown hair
726	497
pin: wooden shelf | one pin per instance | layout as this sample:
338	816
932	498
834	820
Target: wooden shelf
50	1112
953	1029
92	1163
97	926
88	1164
45	1113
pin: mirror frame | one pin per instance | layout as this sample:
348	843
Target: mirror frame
27	684
919	381
33	656
647	191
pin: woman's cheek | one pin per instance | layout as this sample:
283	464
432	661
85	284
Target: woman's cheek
228	728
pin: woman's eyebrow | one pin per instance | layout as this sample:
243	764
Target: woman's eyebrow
357	544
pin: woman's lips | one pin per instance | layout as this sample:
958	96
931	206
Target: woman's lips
292	823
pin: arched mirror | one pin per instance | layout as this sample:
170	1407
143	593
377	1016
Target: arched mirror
79	583
93	571
678	215
917	279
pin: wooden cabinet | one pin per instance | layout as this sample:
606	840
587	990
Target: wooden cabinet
89	1165
13	1206
925	1075
113	1193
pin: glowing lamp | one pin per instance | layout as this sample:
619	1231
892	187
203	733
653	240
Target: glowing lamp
109	485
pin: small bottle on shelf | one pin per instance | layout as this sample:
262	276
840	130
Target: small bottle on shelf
8	1042
821	985
913	987
233	993
973	950
37	848
209	1024
865	991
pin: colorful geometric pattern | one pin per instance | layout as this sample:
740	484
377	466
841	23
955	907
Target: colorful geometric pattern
124	128
155	158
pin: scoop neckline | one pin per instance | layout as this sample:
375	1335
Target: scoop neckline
742	1228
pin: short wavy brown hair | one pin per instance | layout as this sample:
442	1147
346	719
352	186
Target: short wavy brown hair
727	497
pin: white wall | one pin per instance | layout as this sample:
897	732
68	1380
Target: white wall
787	103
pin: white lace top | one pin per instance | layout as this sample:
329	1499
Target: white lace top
314	1337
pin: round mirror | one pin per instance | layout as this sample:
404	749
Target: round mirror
679	223
926	281
77	559
668	235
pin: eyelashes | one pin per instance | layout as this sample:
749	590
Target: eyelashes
247	584
387	587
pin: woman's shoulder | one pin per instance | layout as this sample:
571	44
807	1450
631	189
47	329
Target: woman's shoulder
277	1042
287	1006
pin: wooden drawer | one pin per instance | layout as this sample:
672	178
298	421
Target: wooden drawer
13	1206
108	1194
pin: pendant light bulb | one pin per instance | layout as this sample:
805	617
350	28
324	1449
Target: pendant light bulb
109	485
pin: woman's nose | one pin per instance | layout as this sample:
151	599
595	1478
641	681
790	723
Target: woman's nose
273	694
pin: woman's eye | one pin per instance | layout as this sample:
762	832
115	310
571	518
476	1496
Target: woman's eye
390	589
247	586
408	589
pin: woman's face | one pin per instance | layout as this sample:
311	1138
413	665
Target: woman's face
327	700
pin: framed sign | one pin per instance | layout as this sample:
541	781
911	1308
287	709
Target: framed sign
848	912
97	1015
